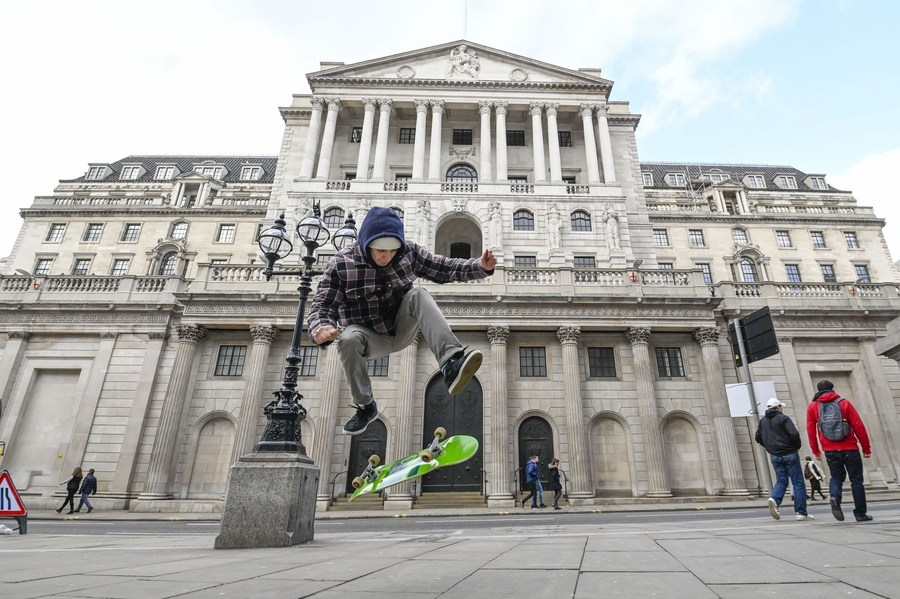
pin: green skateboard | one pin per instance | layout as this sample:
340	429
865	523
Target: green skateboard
440	452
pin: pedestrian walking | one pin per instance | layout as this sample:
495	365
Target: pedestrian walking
532	479
777	433
88	488
72	483
555	485
813	474
833	424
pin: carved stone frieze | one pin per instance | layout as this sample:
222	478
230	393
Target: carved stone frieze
83	318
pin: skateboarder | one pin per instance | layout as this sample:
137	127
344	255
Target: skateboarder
368	289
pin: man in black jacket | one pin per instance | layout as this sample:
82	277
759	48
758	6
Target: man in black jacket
777	433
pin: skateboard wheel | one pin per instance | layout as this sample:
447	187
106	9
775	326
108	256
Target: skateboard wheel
357	482
426	455
440	432
374	460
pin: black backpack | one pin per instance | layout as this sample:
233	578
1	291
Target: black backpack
831	421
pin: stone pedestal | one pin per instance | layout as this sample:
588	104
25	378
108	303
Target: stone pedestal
270	502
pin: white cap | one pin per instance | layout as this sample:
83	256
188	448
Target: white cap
773	403
385	243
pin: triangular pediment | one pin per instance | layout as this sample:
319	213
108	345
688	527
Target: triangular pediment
458	63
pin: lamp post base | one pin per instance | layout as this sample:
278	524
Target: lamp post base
270	502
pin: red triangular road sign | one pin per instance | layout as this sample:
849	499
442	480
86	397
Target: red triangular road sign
10	502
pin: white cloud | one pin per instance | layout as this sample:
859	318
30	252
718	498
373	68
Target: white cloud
871	181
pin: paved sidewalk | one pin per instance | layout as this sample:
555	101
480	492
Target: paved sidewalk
747	555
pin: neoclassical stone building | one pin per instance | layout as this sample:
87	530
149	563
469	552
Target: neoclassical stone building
141	339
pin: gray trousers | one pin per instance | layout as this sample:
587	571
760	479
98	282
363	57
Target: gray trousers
357	345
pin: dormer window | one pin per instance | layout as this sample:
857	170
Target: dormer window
817	183
787	182
251	173
130	173
96	173
756	181
647	179
210	171
675	179
164	173
716	177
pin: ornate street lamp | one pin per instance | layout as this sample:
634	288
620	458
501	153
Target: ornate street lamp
285	412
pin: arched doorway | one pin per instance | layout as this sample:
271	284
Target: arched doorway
535	438
371	441
459	414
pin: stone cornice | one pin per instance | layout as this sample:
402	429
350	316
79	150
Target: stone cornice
346	82
67	211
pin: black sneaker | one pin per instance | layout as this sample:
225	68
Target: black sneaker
836	510
460	369
364	415
864	518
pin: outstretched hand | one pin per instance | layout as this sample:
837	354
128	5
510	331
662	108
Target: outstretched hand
488	261
325	334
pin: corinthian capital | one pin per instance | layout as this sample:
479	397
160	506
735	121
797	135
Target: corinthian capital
637	336
498	335
484	107
536	108
568	335
263	334
191	333
707	335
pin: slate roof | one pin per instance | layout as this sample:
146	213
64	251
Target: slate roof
186	164
736	172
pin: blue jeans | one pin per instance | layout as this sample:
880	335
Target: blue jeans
540	492
844	463
788	466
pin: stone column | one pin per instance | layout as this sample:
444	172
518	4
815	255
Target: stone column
537	136
312	139
657	473
606	155
501	108
334	107
161	471
434	163
880	417
245	437
323	441
418	172
381	142
400	496
720	414
365	142
553	141
590	147
484	109
499	481
580	490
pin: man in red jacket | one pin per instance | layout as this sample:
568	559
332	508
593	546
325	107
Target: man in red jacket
842	456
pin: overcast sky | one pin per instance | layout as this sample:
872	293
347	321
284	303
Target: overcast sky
809	84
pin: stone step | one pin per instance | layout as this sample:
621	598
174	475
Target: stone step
372	501
442	500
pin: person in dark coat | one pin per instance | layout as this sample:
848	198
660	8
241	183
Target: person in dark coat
88	488
555	486
532	478
777	433
72	485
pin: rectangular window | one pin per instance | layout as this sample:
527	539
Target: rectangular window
565	139
226	234
862	273
56	232
407	135
164	172
515	138
82	266
817	183
569	180
120	267
349	176
756	181
660	237
525	261
668	362
131	232
230	361
740	236
179	230
356	135
323	258
130	172
251	173
852	240
462	137
783	238
793	273
647	179
675	179
93	232
309	360
43	266
378	367
601	362
218	261
584	262
787	182
696	238
828	273
402	177
706	269
818	239
210	171
532	361
96	172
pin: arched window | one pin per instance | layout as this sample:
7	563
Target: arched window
748	271
334	218
462	173
523	220
581	221
168	264
179	230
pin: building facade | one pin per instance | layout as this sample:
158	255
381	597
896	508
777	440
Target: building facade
140	337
